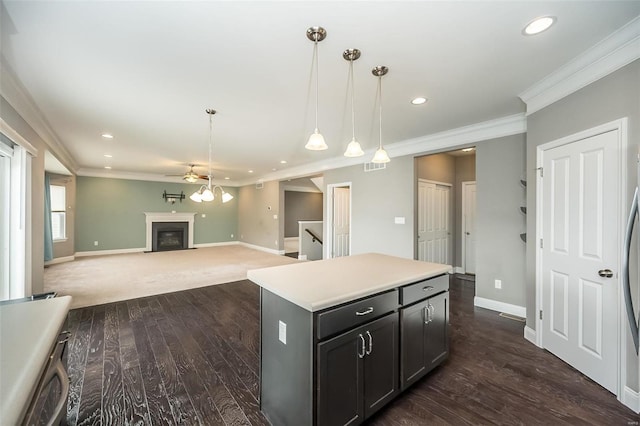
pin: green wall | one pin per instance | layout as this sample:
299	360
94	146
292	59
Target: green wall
111	211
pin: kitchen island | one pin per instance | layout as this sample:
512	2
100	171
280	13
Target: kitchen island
342	337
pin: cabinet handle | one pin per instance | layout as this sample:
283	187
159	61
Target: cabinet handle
370	343
432	311
427	288
365	312
361	354
425	314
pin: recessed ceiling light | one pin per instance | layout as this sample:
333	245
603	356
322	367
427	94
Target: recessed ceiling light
274	169
539	25
226	178
107	135
419	101
107	167
250	171
108	155
283	161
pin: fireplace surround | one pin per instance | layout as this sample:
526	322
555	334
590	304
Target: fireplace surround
162	217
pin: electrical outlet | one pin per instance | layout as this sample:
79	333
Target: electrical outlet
498	284
95	243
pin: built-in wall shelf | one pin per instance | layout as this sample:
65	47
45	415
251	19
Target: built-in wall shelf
523	209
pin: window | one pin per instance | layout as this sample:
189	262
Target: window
58	212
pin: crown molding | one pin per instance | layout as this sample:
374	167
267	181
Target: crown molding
614	52
474	133
19	98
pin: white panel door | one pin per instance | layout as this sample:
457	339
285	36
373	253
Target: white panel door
341	221
579	208
469	227
434	228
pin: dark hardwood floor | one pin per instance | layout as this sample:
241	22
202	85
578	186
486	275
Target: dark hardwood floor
191	357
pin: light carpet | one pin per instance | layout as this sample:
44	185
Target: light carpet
102	279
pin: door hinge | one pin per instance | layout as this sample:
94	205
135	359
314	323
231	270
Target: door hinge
540	313
541	171
541	243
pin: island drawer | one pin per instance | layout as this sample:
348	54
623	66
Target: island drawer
359	312
423	289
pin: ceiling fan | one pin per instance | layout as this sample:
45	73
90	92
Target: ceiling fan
191	176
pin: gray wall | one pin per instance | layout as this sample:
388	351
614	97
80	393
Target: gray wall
111	211
500	252
610	98
377	197
256	208
66	248
300	206
437	167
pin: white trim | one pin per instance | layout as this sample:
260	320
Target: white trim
614	52
498	306
302	257
225	243
458	270
463	228
530	334
293	238
471	134
20	99
57	260
619	125
109	252
265	249
301	189
152	217
15	137
435	182
631	399
328	238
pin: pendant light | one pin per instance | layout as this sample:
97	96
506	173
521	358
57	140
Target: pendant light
205	193
353	149
381	155
316	140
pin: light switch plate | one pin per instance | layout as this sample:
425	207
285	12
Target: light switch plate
282	332
399	220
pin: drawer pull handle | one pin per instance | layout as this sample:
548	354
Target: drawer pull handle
427	288
370	343
365	312
361	354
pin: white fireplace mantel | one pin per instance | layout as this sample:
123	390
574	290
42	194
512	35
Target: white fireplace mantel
168	217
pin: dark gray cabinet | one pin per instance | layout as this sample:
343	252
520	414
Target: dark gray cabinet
358	372
424	336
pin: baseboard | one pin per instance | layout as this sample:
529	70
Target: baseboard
265	249
630	399
302	257
458	270
291	238
495	305
59	260
530	334
107	252
226	243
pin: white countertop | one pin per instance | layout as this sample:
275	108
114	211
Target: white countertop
27	333
322	284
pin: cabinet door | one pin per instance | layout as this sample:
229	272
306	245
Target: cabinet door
437	331
413	349
340	379
380	362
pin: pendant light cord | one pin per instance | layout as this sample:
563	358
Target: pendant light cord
315	57
353	110
380	107
210	147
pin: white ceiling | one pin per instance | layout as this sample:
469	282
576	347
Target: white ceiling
146	71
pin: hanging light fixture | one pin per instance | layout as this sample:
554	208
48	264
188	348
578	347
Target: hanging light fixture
353	149
205	193
316	140
381	155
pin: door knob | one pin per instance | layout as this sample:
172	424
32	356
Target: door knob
468	233
605	273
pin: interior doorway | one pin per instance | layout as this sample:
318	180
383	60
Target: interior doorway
434	222
338	220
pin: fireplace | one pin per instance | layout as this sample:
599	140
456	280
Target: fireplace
175	231
169	236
